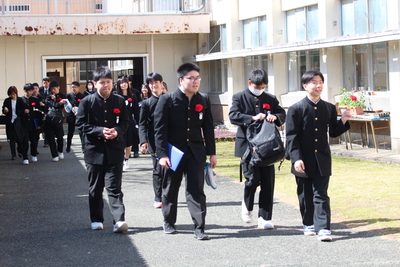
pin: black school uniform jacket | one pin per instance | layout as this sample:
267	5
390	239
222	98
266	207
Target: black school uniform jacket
307	125
93	115
74	99
177	122
18	108
146	122
245	105
34	117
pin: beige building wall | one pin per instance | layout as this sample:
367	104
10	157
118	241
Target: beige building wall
169	52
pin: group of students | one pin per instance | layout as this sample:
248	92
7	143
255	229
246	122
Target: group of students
30	115
306	124
182	118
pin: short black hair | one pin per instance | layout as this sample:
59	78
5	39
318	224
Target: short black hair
28	86
185	68
47	79
154	76
102	72
35	84
76	83
309	75
258	77
54	84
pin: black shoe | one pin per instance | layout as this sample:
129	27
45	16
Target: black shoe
68	150
136	154
169	229
200	235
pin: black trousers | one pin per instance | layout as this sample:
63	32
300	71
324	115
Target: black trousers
71	131
314	201
30	136
158	174
109	177
10	132
195	197
265	178
51	134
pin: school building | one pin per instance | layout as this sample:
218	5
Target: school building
354	43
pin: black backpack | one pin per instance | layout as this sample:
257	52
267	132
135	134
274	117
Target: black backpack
265	146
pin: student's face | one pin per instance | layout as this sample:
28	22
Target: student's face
156	87
190	84
35	90
104	86
28	93
257	87
55	90
13	96
75	89
124	85
46	84
314	87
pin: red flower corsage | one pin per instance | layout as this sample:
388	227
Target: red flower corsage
198	107
79	100
266	106
59	99
33	104
129	99
117	111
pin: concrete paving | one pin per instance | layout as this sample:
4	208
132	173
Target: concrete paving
44	221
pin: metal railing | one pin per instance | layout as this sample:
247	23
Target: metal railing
62	7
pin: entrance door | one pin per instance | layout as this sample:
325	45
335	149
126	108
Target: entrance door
67	70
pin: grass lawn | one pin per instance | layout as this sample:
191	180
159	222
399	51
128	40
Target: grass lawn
364	195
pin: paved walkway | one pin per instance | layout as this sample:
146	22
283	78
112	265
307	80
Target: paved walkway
44	221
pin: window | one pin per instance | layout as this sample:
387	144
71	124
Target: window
299	63
217	39
99	6
365	67
16	8
302	24
218	76
255	32
363	16
254	62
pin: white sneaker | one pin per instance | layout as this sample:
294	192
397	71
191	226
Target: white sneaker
308	230
324	235
25	162
34	159
246	215
157	204
264	224
61	155
97	226
120	227
56	159
126	166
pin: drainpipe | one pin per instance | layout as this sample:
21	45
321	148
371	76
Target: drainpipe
152	52
194	10
25	59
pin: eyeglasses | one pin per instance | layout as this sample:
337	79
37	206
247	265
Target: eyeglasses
193	79
316	82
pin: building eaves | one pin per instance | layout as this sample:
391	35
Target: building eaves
110	24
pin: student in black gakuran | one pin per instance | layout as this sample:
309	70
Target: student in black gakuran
180	118
251	105
103	118
307	125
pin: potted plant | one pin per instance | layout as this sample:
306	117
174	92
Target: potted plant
353	100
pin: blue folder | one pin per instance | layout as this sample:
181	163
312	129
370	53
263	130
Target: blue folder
175	156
